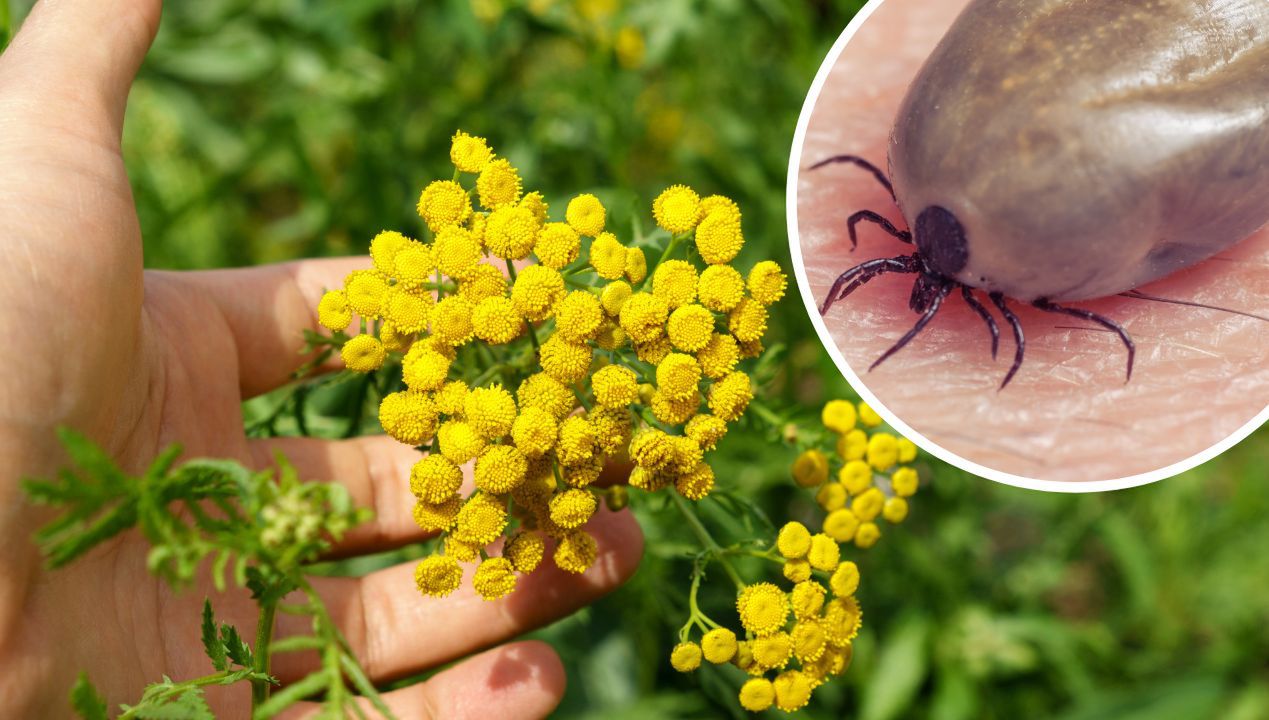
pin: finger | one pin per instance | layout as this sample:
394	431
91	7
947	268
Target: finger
376	471
77	58
394	631
267	309
522	680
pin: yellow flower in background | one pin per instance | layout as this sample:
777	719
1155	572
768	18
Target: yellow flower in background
510	232
499	185
718	236
586	215
685	657
677	209
536	204
557	245
536	291
333	312
767	282
494	578
674	281
763	608
468	153
608	256
438	575
495	321
839	416
442	203
721	288
384	248
484	281
456	252
363	354
690	327
630	47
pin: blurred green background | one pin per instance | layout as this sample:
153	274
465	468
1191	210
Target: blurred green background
265	130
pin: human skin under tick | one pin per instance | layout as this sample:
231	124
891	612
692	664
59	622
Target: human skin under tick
1067	415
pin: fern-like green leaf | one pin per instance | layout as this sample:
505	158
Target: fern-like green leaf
86	701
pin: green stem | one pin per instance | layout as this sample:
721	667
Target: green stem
707	540
264	636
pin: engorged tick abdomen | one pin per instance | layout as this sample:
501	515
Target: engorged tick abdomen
1088	147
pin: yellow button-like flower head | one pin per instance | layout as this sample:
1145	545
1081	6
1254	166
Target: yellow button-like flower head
494	578
384	248
469	153
883	451
615	385
675	282
729	396
424	368
677	209
839	416
438	575
495	321
721	288
807	598
608	256
535	203
434	479
792	690
408	312
436	517
895	510
575	552
458	441
757	694
867	505
696	483
643	316
685	657
442	203
333	312
690	327
719	645
363	354
366	291
491	411
498	185
456	252
500	469
525	551
706	430
451	320
845	579
557	245
841	524
545	392
586	215
578	317
534	431
565	361
772	651
481	520
793	541
484	281
576	443
824	553
678	376
904	481
748	320
572	508
510	232
536	292
719	355
718	236
767	282
763	608
409	417
867	535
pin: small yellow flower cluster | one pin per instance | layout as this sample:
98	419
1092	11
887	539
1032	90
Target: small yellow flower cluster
802	638
597	355
872	476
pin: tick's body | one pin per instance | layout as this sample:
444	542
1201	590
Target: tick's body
1090	146
1061	150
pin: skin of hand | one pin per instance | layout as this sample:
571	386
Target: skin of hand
1200	375
138	360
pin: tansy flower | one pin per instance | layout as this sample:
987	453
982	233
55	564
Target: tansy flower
845	579
766	282
586	215
451	320
839	416
578	317
610	336
824	553
525	550
867	505
797	571
748	320
883	451
536	291
811	469
855	476
720	288
572	508
557	245
719	356
757	694
907	450
438	575
480	521
636	265
867	535
510	232
643	316
685	657
841	525
495	321
675	282
476	226
719	645
677	209
413	265
650	480
494	578
534	431
763	608
333	312
772	651
895	510
576	441
469	153
690	327
384	248
653	351
792	690
498	185
575	552
675	410
408	312
831	496
678	376
408	417
613	297
424	368
363	354
456	252
490	410
393	339
719	202
729	396
904	481
705	430
718	236
499	469
443	202
545	392
696	483
608	256
484	281
365	290
615	385
868	416
853	445
750	349
434	479
652	449
793	541
536	204
458	441
460	551
841	620
582	474
807	598
566	362
612	427
439	516
451	398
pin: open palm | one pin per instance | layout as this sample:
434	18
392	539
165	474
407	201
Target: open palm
139	359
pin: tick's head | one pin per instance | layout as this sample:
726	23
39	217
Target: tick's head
941	242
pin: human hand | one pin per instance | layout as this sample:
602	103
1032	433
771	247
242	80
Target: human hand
1200	375
138	360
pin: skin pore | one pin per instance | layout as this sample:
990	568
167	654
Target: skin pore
138	360
1068	415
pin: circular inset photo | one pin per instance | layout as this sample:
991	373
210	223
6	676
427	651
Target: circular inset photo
1036	248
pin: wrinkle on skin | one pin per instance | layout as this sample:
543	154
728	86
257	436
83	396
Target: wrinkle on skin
1200	375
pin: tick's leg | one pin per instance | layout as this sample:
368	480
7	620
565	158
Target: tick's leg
999	301
859	162
855	277
992	327
935	303
885	224
1100	320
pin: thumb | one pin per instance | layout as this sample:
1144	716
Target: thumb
76	58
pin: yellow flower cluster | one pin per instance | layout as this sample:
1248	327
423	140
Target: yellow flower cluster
794	640
533	350
866	478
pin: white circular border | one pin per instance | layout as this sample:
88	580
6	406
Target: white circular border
795	248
